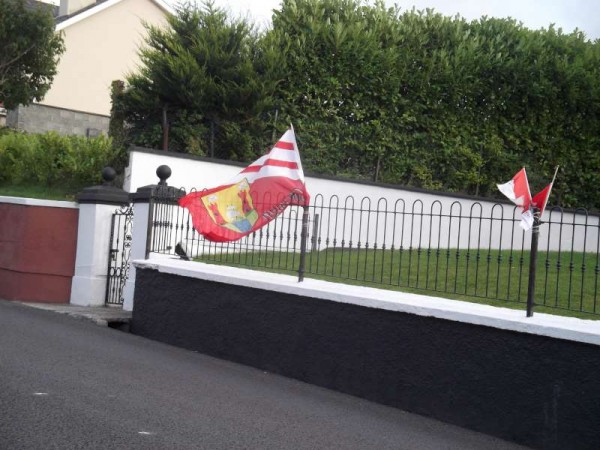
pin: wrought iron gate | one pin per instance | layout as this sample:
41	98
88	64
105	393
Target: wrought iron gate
118	257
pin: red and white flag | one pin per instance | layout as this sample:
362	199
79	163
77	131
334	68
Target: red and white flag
517	190
540	200
252	198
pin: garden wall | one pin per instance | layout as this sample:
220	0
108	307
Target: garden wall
530	380
38	240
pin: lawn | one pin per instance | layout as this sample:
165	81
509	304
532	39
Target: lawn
40	192
566	283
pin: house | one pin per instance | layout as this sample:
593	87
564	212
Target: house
102	39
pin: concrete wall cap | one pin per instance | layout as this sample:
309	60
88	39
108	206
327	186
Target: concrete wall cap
108	195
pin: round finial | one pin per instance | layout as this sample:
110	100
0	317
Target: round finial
163	172
108	175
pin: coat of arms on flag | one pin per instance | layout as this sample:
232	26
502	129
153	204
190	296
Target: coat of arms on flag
232	207
254	197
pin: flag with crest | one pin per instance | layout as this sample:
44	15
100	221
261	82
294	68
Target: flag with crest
254	197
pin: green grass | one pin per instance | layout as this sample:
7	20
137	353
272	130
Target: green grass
566	284
39	192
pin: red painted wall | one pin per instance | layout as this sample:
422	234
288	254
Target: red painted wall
37	252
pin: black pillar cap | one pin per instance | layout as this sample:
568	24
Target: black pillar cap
161	190
105	193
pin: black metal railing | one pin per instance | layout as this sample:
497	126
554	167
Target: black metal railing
119	252
461	249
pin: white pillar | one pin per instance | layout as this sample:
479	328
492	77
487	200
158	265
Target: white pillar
96	207
88	287
139	232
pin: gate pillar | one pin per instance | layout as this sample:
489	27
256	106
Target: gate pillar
141	229
96	205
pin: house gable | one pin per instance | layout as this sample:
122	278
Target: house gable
102	44
65	20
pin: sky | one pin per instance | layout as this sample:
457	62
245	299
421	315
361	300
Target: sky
535	14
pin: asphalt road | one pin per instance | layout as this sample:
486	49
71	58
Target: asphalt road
67	383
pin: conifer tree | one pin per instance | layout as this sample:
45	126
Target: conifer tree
205	74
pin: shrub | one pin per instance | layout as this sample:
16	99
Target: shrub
50	159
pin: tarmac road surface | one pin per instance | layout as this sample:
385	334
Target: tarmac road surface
67	383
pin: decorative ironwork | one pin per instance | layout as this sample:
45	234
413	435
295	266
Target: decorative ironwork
118	257
458	249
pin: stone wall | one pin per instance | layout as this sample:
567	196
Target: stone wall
37	118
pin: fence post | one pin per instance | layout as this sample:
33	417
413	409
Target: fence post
535	232
303	239
141	230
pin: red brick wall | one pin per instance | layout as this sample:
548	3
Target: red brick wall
37	252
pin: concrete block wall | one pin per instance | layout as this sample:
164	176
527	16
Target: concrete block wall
37	118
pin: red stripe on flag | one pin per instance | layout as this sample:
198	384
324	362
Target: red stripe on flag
280	163
251	169
285	145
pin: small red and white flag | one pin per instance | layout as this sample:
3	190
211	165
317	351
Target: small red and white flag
252	198
540	200
517	190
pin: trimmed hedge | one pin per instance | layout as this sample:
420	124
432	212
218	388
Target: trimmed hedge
50	159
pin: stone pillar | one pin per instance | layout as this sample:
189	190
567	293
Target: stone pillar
96	206
142	207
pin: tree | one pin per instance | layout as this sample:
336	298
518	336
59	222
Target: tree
424	100
404	97
212	79
339	84
29	52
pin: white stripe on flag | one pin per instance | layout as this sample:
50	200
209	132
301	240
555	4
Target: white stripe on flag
275	171
283	155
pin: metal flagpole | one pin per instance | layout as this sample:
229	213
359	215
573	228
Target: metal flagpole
535	232
303	240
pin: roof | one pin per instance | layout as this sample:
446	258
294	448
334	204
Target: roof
100	5
82	10
34	4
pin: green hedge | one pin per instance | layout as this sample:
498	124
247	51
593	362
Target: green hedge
50	159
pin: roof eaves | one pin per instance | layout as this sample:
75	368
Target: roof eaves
98	7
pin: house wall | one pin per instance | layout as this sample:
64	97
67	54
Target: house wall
529	380
37	118
99	49
38	240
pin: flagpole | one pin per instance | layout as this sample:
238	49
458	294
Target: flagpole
555	172
535	232
303	239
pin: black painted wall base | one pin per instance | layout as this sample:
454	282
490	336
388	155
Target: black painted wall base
534	390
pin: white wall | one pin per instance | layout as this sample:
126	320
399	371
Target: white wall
389	215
